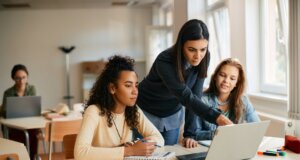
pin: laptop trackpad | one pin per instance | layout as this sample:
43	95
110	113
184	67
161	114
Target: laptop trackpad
193	156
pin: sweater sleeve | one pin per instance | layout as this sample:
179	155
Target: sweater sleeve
183	93
32	90
147	129
83	146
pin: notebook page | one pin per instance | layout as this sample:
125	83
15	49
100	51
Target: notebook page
155	156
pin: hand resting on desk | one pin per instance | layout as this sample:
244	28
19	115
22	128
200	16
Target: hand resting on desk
189	143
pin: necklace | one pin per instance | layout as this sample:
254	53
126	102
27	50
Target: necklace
120	136
222	103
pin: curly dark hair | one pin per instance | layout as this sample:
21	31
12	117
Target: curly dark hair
102	98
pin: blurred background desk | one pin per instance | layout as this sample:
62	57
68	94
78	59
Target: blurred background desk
27	123
23	124
8	146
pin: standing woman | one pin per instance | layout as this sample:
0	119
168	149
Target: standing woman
19	75
112	115
176	80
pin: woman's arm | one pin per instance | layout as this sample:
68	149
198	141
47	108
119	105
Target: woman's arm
196	129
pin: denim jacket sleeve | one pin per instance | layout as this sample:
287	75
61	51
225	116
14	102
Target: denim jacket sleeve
250	114
196	127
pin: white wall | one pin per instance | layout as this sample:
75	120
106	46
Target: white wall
180	16
32	37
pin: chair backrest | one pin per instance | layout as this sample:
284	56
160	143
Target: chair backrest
56	130
69	143
10	156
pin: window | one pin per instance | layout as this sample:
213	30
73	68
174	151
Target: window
274	29
218	26
159	36
211	2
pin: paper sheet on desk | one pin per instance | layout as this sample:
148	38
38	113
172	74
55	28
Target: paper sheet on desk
155	156
205	143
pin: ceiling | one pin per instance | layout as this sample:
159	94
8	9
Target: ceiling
62	4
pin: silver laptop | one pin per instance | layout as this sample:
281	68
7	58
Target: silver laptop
233	142
26	106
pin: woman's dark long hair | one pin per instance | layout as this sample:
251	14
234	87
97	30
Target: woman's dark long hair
192	30
235	103
102	98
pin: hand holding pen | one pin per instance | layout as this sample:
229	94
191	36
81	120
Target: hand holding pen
138	139
140	147
146	141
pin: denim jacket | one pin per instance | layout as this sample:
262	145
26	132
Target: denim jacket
200	129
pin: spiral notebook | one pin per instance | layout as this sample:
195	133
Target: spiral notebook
155	156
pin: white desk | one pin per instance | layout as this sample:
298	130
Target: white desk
273	143
267	143
26	123
9	146
23	124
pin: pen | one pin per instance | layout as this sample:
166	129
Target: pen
281	153
268	153
165	155
146	141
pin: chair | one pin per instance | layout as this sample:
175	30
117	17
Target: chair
10	156
56	130
69	143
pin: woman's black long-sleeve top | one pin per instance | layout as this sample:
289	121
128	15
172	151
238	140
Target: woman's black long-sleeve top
162	94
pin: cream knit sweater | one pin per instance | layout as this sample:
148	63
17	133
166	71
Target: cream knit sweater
98	141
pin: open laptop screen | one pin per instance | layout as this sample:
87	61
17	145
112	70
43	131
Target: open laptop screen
234	142
26	106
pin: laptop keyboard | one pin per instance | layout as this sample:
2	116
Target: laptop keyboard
193	156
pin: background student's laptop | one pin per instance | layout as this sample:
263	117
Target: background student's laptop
26	106
234	142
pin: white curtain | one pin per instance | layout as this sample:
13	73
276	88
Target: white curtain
294	66
221	24
294	60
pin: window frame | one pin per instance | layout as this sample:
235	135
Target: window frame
265	87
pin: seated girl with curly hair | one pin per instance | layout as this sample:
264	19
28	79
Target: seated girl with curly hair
111	116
